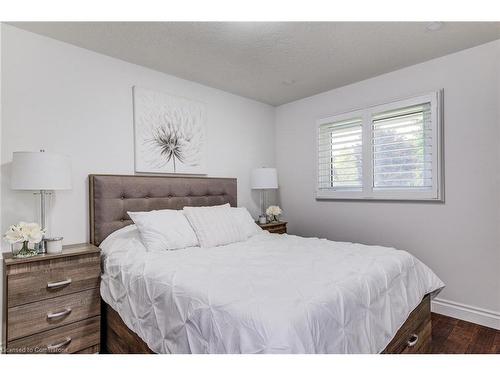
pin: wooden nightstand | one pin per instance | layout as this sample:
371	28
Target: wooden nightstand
274	227
52	302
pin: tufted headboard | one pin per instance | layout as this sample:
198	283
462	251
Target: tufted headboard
111	196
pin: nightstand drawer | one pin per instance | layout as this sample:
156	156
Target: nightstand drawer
47	279
51	313
279	229
70	338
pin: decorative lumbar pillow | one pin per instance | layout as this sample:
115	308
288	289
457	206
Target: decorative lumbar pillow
214	226
164	229
245	221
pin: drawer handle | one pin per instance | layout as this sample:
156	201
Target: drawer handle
58	284
58	314
412	340
59	345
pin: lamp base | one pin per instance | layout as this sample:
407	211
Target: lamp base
40	247
263	202
43	219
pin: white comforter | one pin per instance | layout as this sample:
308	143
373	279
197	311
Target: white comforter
269	294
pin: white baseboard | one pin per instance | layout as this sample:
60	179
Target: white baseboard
469	313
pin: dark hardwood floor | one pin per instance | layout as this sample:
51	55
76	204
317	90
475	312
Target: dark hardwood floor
454	336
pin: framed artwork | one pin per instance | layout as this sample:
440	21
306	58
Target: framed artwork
169	133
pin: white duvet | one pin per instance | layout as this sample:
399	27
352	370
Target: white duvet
269	294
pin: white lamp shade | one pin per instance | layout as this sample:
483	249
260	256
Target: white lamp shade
264	178
40	171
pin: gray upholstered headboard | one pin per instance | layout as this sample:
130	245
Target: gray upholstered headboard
111	196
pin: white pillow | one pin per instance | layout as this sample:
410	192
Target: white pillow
245	221
164	229
214	226
225	205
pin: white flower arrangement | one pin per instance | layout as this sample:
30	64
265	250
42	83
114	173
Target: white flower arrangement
27	234
24	232
274	212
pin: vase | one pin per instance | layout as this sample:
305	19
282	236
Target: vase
274	218
25	251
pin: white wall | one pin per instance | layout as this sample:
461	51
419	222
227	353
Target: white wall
73	101
460	239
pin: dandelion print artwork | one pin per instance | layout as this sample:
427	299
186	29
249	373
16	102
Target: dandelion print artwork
169	133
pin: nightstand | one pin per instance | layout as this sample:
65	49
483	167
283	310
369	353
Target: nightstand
278	227
52	302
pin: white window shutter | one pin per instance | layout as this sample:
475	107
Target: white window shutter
340	155
402	148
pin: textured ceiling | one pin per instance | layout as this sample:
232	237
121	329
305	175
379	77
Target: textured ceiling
272	62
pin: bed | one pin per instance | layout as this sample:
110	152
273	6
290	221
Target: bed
270	294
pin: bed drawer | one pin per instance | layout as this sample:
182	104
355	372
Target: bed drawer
51	313
95	349
47	279
422	345
415	334
71	338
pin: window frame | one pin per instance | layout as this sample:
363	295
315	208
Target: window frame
436	193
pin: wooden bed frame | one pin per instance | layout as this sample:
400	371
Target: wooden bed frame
111	196
414	337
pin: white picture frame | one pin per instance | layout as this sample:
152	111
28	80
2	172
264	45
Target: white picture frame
169	133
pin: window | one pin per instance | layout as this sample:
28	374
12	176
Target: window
390	151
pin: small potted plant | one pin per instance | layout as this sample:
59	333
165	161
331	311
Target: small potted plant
28	234
273	213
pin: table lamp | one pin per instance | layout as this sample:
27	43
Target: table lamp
41	171
264	179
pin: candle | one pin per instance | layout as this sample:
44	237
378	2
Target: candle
53	245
